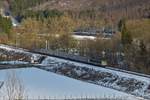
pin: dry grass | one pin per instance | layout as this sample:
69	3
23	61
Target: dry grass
140	29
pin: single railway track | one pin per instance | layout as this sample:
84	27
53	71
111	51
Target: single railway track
73	58
91	63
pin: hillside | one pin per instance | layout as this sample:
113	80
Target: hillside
131	8
1	4
90	4
115	9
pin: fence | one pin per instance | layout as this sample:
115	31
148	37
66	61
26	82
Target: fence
66	98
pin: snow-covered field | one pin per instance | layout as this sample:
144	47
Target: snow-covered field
128	83
39	83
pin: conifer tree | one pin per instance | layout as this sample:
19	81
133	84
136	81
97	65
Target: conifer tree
5	25
125	35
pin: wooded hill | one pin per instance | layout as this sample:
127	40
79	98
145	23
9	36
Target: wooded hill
114	9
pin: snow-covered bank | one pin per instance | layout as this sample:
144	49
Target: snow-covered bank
39	83
132	84
121	81
18	55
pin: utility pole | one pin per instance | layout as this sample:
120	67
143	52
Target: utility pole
46	44
17	40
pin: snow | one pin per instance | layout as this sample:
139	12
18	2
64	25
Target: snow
52	59
46	84
13	62
14	50
84	37
9	48
54	64
81	37
61	65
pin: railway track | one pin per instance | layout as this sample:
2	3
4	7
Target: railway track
86	61
89	63
74	58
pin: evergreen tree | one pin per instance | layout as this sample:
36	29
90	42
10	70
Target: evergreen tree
125	34
5	25
120	24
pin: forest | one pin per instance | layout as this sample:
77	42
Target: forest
55	26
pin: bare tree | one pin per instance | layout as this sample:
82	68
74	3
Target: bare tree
14	87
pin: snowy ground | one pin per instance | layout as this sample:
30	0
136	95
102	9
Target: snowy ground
128	83
13	62
84	37
121	81
39	83
81	37
21	55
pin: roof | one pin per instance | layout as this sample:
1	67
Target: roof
14	22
